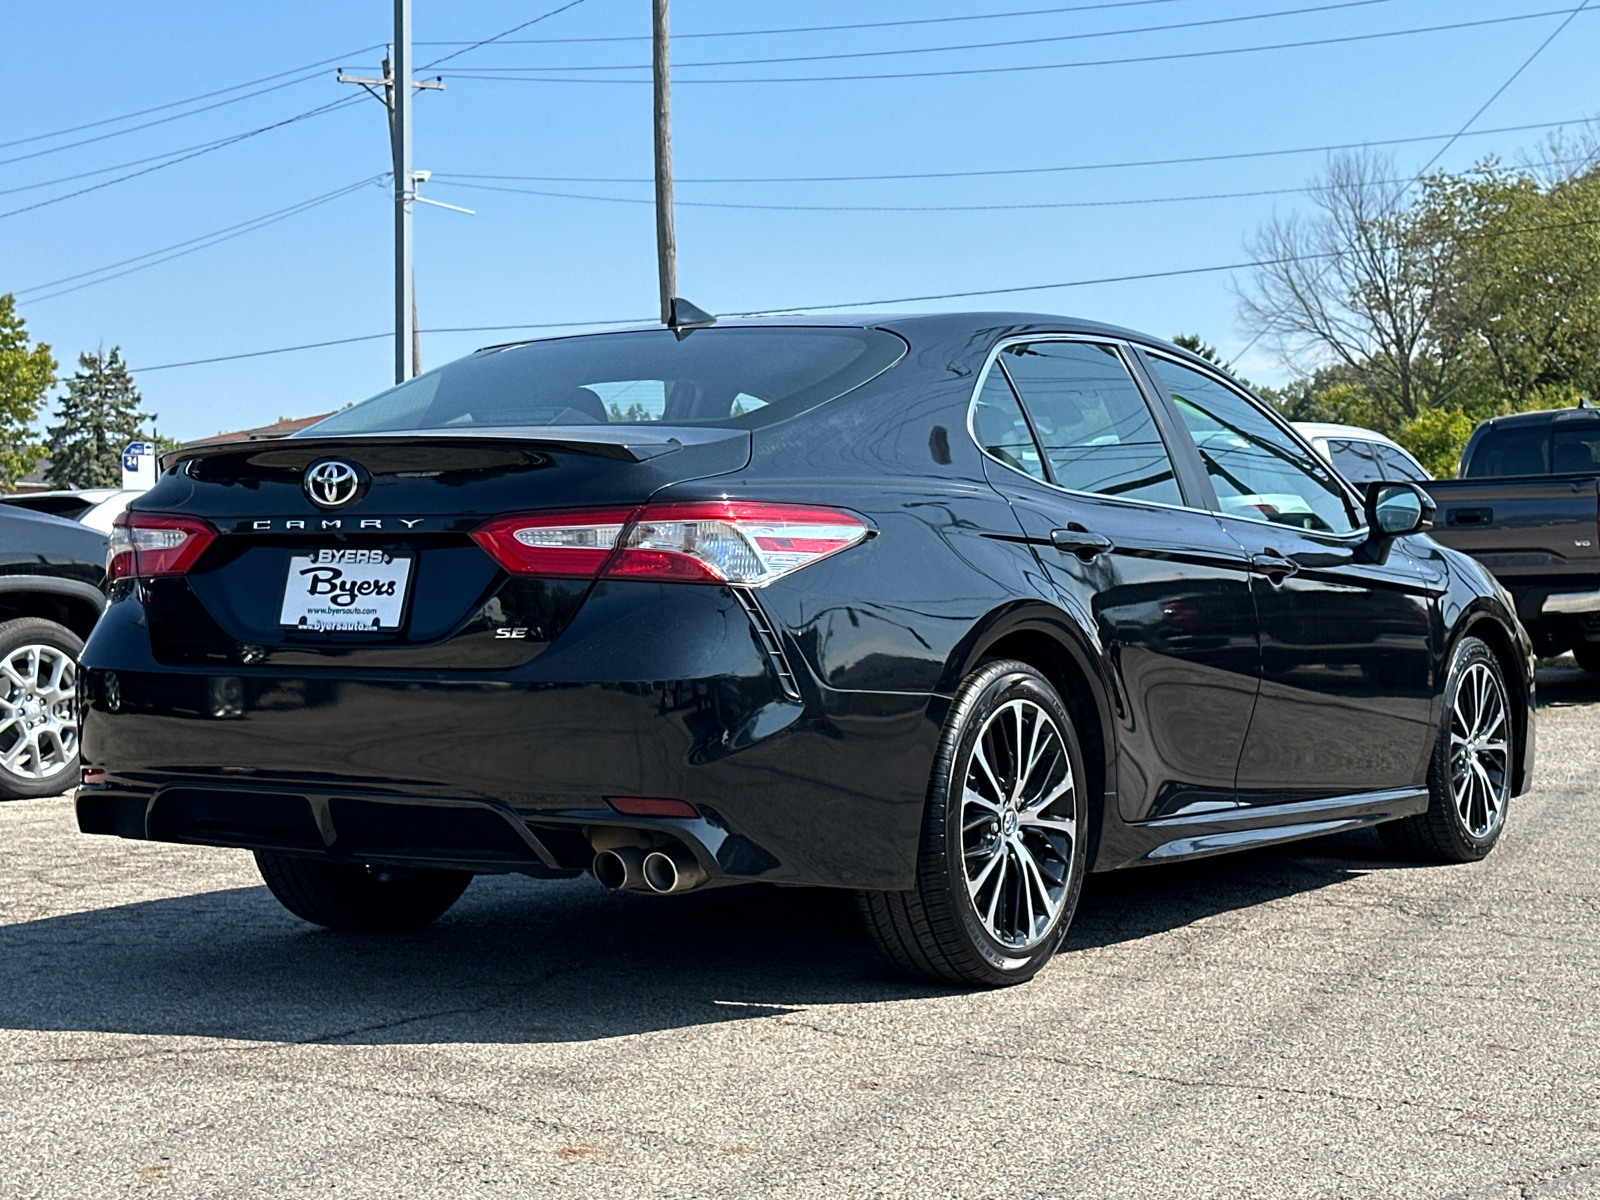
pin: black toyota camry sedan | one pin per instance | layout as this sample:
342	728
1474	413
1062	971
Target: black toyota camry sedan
947	610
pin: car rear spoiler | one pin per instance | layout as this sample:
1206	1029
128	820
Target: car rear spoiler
627	444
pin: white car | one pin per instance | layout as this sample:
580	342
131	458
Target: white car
1362	455
95	507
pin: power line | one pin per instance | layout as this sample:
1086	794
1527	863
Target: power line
1030	12
497	37
875	303
215	237
372	337
488	75
159	121
217	145
1104	166
901	208
1482	108
189	100
1035	41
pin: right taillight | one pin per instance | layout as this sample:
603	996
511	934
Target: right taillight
731	542
720	541
148	544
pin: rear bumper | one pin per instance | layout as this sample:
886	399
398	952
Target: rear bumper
508	770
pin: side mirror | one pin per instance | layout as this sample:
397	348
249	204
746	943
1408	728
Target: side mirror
1395	509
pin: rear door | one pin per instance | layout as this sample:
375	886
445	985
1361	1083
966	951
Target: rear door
1087	470
1347	686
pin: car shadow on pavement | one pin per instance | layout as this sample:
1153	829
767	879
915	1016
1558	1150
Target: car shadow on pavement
1564	684
524	961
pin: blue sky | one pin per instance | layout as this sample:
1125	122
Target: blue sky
532	259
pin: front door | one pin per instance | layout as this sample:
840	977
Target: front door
1347	685
1086	469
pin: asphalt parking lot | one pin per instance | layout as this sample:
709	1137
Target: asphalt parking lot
1316	1020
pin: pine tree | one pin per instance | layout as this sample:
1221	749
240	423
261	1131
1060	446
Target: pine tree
99	415
26	373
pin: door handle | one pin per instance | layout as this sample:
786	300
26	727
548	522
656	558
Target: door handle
1273	565
1075	539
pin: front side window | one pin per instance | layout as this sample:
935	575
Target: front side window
739	377
1257	469
1093	423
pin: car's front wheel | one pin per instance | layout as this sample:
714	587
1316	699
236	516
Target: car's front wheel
1004	838
1469	778
38	707
357	897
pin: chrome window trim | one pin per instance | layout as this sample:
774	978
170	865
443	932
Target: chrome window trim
1360	534
1121	346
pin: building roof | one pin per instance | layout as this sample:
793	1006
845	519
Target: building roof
261	433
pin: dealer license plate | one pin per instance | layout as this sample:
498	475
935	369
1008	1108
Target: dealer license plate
346	590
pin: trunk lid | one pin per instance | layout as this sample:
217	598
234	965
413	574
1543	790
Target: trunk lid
417	497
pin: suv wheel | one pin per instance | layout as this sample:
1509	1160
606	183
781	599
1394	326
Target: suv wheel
1588	656
38	707
1004	841
358	897
1469	779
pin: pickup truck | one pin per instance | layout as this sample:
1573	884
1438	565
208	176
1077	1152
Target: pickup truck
1526	504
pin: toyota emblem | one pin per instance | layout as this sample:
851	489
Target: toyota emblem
332	482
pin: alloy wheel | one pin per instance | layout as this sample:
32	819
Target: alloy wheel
38	712
1018	824
1480	758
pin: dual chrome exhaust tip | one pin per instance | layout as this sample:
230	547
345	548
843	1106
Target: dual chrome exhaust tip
665	871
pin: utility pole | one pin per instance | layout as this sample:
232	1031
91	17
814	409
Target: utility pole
404	189
666	241
398	89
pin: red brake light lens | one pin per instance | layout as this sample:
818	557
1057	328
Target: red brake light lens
148	544
732	542
557	545
721	541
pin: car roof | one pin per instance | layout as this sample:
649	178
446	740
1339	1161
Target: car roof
93	495
914	326
1325	429
1544	416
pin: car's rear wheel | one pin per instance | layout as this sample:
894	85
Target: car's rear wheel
1004	839
1469	778
38	707
360	898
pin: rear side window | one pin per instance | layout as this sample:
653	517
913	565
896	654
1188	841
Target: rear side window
1093	424
1002	430
1577	447
1354	460
735	377
1512	450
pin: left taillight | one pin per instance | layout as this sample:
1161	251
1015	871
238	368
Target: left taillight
147	544
698	542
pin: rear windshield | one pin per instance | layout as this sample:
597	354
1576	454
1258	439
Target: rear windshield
734	377
1511	450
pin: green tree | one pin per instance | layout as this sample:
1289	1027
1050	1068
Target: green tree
26	373
99	415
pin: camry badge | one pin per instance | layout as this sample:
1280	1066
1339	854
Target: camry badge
332	482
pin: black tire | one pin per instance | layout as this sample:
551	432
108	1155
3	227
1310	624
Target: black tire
361	899
1444	832
1588	656
934	931
59	731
